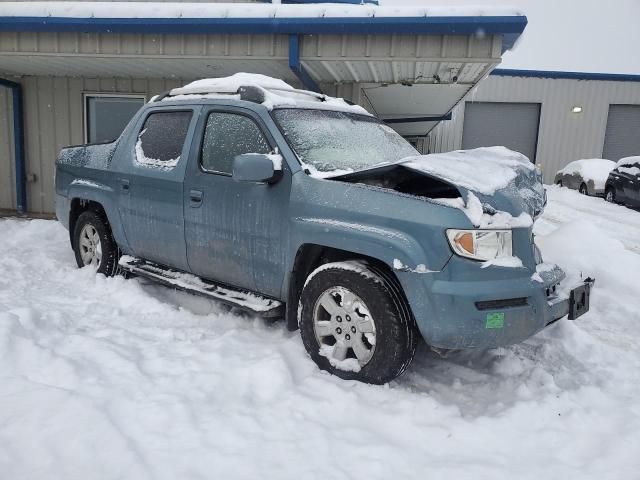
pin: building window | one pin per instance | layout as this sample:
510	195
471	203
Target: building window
106	116
228	135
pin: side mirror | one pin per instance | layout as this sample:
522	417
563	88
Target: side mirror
257	168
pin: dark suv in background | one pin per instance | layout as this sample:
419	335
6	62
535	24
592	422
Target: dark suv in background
623	184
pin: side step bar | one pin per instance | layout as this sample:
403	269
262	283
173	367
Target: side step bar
245	300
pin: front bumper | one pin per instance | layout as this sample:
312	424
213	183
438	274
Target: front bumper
489	308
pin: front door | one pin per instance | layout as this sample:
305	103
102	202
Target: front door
234	231
150	181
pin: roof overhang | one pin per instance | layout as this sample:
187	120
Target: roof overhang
509	28
411	62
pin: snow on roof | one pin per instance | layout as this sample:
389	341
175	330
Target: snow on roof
277	93
231	84
233	10
628	161
568	35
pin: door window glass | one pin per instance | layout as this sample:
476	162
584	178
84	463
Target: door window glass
162	138
228	135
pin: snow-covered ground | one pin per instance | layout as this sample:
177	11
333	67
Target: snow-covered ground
114	378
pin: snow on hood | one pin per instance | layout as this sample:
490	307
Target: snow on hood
482	170
595	169
500	188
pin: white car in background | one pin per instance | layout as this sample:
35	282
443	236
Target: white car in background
588	176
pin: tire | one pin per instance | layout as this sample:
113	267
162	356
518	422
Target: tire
370	334
93	243
610	195
583	189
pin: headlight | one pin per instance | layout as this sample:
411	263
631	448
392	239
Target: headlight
482	245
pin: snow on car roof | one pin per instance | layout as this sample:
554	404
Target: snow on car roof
235	10
277	93
628	161
595	169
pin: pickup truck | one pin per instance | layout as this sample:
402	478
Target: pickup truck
292	204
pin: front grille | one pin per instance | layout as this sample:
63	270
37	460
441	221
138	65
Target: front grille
497	304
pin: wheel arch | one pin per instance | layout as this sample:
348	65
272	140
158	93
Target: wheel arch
310	256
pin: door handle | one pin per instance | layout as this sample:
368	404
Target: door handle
124	183
195	196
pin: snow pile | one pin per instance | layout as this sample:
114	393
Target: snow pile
482	170
234	10
113	378
594	169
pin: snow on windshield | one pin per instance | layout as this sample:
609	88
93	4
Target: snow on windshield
330	143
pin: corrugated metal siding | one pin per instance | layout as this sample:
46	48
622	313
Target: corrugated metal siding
7	171
328	58
563	136
54	119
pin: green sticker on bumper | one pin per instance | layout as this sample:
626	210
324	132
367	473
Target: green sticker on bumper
495	320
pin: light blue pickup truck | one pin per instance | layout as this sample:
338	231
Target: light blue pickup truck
292	204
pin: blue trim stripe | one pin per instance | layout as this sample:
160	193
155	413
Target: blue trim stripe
509	26
296	66
18	144
611	77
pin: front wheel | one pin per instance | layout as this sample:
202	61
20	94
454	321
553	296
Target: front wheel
583	189
355	324
93	244
610	195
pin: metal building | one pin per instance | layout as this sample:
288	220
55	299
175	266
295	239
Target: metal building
73	79
76	74
552	117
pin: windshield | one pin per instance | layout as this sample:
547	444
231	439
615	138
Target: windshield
332	143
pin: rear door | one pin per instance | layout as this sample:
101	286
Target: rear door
235	232
151	185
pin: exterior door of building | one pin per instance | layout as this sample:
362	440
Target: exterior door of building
513	125
622	137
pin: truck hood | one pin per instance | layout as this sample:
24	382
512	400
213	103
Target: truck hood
485	182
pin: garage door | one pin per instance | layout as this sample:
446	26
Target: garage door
622	138
513	125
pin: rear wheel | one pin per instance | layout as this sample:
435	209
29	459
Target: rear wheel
583	189
610	195
93	244
354	324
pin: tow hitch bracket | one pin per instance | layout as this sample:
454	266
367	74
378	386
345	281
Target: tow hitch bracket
579	299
